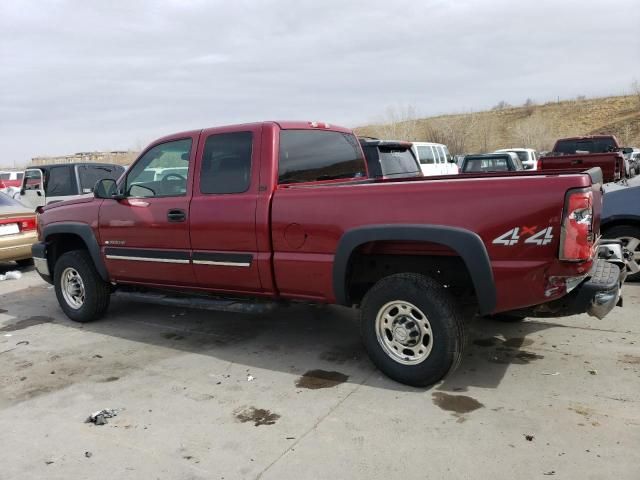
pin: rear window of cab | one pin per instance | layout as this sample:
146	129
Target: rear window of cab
314	155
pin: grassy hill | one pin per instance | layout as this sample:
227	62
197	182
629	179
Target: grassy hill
530	125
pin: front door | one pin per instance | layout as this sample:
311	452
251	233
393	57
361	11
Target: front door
145	237
223	211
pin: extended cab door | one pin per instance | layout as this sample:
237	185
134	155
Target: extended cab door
223	210
145	236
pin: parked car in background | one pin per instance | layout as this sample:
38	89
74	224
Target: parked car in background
390	159
632	155
434	159
54	183
491	162
17	231
528	156
278	211
581	153
621	221
10	182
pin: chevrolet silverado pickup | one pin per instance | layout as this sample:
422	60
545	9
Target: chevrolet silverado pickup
273	212
581	153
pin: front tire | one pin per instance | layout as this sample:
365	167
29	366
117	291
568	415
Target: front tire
81	292
630	237
411	329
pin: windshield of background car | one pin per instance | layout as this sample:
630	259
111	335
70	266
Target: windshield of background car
7	201
313	155
523	156
485	164
591	145
395	161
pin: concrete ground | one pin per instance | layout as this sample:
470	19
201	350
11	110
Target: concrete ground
205	395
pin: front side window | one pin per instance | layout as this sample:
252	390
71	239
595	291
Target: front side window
161	172
60	182
33	180
426	155
313	155
226	163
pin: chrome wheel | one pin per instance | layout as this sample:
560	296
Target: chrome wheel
72	288
633	245
404	332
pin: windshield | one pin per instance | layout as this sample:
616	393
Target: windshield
395	161
6	201
485	164
591	145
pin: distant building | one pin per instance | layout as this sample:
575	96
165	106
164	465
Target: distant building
119	157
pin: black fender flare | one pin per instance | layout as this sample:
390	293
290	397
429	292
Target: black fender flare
85	232
467	244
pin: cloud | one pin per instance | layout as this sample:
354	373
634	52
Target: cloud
83	75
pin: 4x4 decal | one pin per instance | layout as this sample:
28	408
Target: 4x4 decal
513	236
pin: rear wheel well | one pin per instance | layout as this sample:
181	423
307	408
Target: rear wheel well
60	243
449	270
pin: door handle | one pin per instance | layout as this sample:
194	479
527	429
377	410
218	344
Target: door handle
176	215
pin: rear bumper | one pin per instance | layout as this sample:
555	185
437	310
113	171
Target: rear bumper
600	292
39	253
16	247
597	294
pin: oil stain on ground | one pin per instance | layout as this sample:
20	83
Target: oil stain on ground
315	379
515	342
26	323
458	404
173	336
519	357
259	416
630	359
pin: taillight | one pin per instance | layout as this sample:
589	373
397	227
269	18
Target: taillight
577	239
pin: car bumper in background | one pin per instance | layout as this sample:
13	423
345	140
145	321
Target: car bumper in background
16	247
39	252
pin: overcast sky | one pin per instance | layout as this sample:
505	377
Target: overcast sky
89	75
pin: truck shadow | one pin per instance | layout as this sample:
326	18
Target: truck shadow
295	339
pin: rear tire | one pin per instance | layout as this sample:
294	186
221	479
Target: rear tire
411	329
81	292
630	237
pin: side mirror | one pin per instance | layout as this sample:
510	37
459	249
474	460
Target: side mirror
106	188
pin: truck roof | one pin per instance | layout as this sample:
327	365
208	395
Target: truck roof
586	137
282	124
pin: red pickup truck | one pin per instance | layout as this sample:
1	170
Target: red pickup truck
285	211
581	153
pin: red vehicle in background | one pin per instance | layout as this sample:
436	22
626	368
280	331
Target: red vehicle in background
580	153
10	182
257	214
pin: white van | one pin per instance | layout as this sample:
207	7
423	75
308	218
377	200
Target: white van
435	159
528	156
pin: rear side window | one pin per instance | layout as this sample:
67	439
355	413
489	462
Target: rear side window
90	174
60	182
226	163
311	155
5	176
426	155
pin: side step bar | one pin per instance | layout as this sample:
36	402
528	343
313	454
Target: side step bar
217	304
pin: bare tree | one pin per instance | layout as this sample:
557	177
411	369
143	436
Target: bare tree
453	131
534	132
635	87
485	127
398	123
501	105
529	106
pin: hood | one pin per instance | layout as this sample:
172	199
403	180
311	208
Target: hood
83	199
